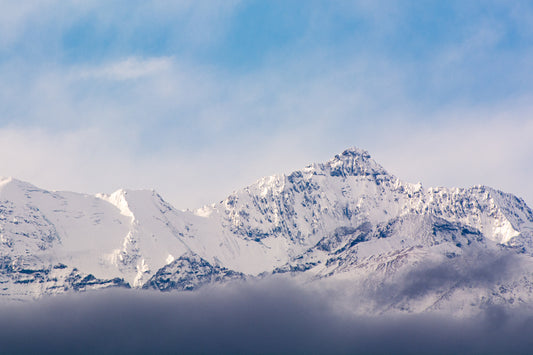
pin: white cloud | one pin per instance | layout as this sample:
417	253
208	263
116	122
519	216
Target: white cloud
496	152
129	68
15	16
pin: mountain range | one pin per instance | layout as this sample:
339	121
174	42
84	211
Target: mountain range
346	225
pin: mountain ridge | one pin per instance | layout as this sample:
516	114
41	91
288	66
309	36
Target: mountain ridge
340	219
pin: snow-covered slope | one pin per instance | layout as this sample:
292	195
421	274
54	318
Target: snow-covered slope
329	202
347	218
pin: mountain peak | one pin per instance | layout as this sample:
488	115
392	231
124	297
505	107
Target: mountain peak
10	187
126	199
354	151
353	162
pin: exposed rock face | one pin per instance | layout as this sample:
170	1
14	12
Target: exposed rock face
188	273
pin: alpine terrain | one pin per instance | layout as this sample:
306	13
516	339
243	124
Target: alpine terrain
346	225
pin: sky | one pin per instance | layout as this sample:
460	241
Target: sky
198	98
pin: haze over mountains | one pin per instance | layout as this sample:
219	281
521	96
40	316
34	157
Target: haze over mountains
345	225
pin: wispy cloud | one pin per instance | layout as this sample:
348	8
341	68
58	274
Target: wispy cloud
157	122
129	68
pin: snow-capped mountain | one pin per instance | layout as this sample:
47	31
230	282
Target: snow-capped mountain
346	219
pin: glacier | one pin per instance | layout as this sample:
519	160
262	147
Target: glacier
346	224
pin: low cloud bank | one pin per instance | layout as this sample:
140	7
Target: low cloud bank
484	269
264	317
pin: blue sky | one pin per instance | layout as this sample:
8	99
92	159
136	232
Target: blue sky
198	98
